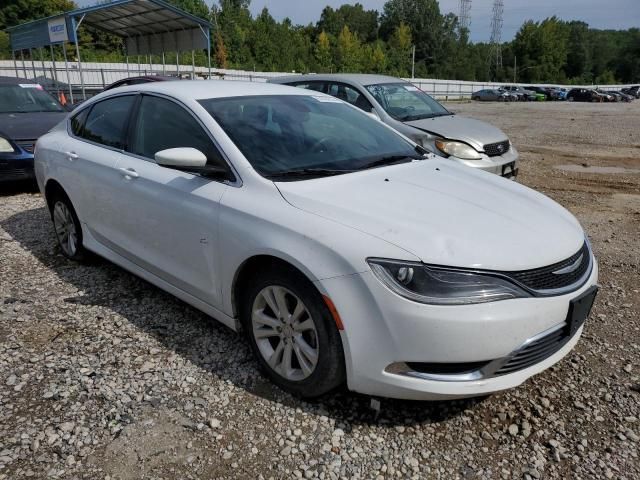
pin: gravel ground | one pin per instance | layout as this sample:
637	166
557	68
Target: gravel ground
104	376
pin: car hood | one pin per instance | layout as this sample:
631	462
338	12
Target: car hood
445	214
469	130
29	126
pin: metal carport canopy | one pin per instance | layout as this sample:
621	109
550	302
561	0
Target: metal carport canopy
147	26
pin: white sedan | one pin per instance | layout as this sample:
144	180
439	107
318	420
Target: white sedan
341	249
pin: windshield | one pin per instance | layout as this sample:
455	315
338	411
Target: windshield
406	102
282	134
26	98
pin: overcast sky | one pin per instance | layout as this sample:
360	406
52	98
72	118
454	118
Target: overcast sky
615	14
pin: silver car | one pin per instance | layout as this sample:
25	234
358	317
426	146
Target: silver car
415	114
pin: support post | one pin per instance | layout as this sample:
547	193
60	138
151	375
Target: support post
44	69
178	62
139	66
76	26
163	67
24	66
33	64
126	59
193	64
209	53
15	63
66	68
53	64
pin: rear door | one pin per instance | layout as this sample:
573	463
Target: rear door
167	218
89	156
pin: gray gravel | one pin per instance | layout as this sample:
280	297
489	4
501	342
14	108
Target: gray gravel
104	376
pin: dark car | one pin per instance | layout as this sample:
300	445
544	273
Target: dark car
584	95
633	91
27	111
138	80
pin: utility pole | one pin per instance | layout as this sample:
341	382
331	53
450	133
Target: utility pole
413	62
495	56
464	16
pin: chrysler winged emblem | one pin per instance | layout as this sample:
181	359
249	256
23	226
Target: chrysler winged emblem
569	268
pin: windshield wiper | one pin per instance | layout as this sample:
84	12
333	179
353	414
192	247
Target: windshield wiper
391	160
308	172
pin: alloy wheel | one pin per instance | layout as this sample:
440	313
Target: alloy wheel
65	228
285	333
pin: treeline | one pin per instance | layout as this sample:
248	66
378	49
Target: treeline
353	39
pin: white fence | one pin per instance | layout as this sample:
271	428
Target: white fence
93	77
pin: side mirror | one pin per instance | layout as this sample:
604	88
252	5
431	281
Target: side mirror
181	158
373	114
191	160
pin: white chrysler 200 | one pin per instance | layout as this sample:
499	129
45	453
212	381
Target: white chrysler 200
341	249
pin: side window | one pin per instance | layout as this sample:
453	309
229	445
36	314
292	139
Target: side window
351	95
77	122
315	86
163	124
107	121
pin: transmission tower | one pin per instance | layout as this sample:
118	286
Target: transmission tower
464	17
495	57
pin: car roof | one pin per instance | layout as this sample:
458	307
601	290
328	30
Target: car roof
14	81
189	90
362	79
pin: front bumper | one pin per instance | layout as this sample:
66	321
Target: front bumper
505	165
16	167
382	329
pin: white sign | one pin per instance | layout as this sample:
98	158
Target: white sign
58	30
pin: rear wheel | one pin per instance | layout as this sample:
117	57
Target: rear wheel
292	333
67	228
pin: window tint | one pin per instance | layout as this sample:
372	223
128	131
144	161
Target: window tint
163	124
350	95
315	86
77	122
107	121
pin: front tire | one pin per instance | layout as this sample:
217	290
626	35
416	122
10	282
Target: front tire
292	333
67	228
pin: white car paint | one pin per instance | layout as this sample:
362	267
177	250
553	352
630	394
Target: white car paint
190	235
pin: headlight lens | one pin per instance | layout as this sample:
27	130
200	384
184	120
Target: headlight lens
437	286
458	149
5	146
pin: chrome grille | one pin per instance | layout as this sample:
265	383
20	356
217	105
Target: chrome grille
497	149
534	352
551	277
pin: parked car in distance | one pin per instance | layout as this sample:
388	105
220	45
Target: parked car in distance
26	112
140	80
583	95
491	95
633	91
419	116
542	94
523	94
318	231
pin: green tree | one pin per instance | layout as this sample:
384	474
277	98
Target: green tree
349	53
400	51
364	23
323	52
15	12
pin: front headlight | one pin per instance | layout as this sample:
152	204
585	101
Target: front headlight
5	146
440	286
458	149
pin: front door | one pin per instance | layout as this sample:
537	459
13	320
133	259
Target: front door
168	218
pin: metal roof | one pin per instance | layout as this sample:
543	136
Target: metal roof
132	18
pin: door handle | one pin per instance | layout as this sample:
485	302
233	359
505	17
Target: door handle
71	156
129	173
